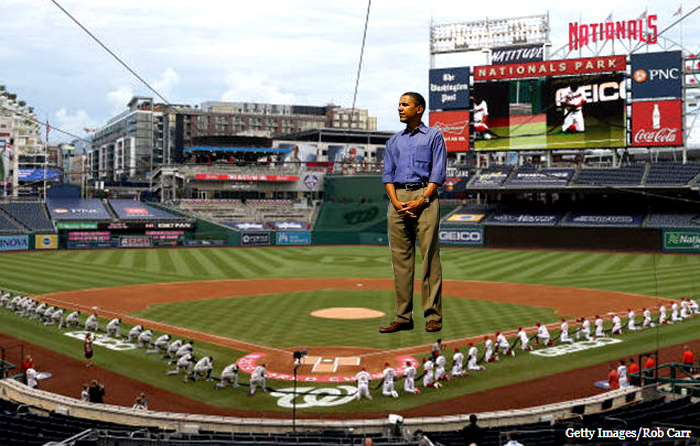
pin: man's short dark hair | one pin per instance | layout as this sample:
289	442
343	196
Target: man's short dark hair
418	99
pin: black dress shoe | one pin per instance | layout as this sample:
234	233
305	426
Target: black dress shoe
397	326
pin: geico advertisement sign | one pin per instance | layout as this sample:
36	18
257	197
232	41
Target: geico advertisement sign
474	237
599	92
657	123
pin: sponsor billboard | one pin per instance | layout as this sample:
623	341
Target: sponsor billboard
657	123
14	243
517	54
589	65
548	177
656	75
454	126
38	175
575	112
249	226
293	238
465	219
76	225
585	219
528	219
289	225
135	241
449	88
46	241
490	178
245	177
681	240
255	239
462	237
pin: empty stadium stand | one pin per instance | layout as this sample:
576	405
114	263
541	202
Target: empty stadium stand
630	176
672	174
31	215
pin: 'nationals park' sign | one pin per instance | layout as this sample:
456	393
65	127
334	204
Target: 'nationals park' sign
552	68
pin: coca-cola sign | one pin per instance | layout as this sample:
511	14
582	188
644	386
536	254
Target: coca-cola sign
657	123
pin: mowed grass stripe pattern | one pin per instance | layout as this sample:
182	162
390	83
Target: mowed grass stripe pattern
284	320
651	274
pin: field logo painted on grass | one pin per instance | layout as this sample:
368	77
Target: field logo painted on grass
575	347
103	341
315	397
249	362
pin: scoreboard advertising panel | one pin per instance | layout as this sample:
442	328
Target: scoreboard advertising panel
454	126
567	104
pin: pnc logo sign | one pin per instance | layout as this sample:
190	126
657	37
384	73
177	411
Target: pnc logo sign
652	75
656	75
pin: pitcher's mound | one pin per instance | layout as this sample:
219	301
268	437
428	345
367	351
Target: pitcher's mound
347	313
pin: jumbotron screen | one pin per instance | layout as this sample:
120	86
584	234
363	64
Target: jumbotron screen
572	112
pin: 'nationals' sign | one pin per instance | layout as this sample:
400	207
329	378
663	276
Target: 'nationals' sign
657	123
550	68
643	29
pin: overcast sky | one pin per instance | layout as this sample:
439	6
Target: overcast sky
292	52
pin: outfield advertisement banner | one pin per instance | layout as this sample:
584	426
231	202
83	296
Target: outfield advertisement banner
528	219
586	219
454	126
465	219
449	88
293	238
76	224
14	243
656	75
255	239
462	237
549	177
679	240
46	241
657	123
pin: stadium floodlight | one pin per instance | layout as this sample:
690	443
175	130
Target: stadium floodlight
480	34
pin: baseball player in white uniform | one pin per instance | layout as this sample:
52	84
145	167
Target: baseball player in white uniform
388	386
573	98
472	360
616	324
5	299
599	332
488	350
48	312
458	364
363	378
38	311
694	308
202	369
26	307
647	318
145	339
31	378
481	113
622	372
258	377
56	318
585	329
161	344
186	348
14	302
113	328
685	309
72	320
631	326
674	313
440	369
543	335
662	315
428	377
229	375
564	333
172	349
502	343
409	382
91	323
134	333
524	340
185	362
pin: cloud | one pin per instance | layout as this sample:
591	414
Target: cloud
167	81
119	98
255	88
73	123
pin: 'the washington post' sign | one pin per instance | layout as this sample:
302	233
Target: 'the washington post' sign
449	88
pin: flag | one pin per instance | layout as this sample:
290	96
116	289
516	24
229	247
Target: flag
679	12
609	18
643	15
48	129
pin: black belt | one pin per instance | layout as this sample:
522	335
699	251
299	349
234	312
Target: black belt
411	186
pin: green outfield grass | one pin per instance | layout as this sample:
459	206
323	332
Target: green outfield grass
659	275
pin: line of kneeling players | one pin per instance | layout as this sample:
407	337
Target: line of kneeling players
177	352
434	367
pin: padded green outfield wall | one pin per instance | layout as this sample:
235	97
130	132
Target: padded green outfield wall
354	211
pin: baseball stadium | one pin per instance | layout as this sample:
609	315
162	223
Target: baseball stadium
237	298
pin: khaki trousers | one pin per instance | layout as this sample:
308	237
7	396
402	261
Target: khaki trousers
402	240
